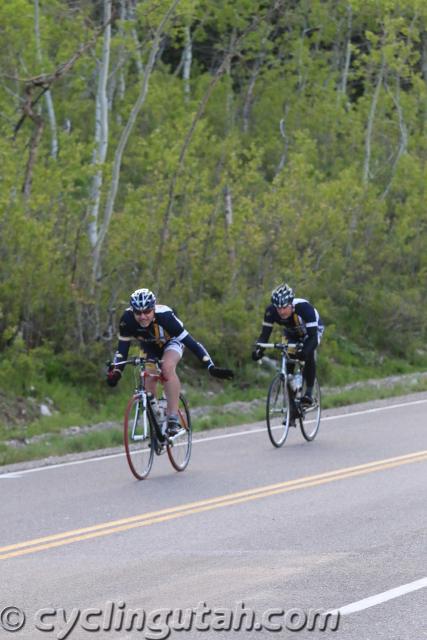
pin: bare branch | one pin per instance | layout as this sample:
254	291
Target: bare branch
369	129
34	143
403	143
111	198
46	79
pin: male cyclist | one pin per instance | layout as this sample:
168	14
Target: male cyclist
161	335
301	324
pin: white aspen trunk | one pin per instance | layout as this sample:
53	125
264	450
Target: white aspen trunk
228	201
116	83
111	198
403	142
370	126
344	79
187	59
122	83
138	58
228	205
48	95
101	136
250	92
283	157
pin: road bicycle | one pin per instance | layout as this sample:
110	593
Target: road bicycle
284	397
145	424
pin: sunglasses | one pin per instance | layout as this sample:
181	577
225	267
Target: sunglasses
145	312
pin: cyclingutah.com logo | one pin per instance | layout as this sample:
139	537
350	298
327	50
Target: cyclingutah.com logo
12	619
158	624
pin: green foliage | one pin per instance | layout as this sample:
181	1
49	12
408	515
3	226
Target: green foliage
304	161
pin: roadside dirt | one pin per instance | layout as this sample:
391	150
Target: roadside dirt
22	411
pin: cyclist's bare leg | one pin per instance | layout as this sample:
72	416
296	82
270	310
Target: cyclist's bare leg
172	384
151	386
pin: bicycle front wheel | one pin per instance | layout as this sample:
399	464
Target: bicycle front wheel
278	411
310	423
179	449
138	438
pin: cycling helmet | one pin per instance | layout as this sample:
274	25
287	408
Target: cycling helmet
142	299
282	295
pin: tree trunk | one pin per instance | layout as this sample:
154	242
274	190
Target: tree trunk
370	125
250	92
187	58
48	96
403	142
283	157
34	142
110	201
347	58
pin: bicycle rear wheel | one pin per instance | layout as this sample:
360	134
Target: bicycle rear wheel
278	411
310	423
138	438
179	451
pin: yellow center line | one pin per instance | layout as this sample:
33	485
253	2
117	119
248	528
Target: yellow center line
171	513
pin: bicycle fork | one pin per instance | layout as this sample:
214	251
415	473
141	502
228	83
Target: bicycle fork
136	433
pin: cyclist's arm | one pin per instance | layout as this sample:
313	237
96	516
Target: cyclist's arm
267	326
121	352
198	349
310	317
123	345
310	342
175	328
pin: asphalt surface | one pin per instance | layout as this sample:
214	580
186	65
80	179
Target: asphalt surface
249	542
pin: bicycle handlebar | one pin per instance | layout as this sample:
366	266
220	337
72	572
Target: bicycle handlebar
135	360
277	345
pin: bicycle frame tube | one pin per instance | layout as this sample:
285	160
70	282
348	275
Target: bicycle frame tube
145	427
284	367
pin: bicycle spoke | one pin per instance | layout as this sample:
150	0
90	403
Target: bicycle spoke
278	411
139	445
179	449
311	422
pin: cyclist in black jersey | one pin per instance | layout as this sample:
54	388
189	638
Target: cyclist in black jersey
301	323
161	335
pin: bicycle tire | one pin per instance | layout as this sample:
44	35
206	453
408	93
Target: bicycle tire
310	434
278	411
180	451
139	446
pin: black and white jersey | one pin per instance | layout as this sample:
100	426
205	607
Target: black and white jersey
153	339
304	323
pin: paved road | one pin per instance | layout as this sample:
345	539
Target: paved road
248	536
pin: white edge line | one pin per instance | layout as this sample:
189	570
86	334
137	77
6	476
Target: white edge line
18	474
379	598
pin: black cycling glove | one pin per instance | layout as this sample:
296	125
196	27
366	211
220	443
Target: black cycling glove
257	353
113	376
223	374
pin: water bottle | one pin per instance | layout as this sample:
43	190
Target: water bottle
154	406
297	382
162	406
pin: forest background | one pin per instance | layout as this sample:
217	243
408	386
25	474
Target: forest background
210	150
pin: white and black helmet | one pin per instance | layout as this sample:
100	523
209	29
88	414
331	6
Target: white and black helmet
143	299
282	295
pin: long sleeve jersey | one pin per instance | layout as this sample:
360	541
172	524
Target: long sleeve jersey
304	325
164	327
